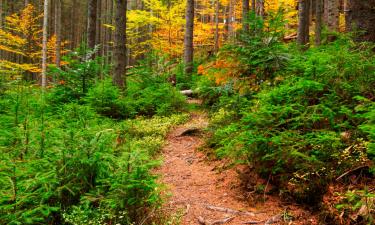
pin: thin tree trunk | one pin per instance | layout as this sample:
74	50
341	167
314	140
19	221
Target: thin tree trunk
333	15
318	22
44	50
119	52
91	23
217	25
303	22
1	13
58	32
253	5
189	35
245	12
260	7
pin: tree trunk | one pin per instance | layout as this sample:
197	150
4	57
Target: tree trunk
245	12
260	8
58	31
332	14
217	26
1	14
91	23
189	35
44	49
360	16
119	51
303	22
318	21
253	4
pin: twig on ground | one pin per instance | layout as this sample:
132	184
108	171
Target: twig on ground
351	171
222	221
227	210
202	221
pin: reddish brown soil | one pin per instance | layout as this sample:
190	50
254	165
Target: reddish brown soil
193	182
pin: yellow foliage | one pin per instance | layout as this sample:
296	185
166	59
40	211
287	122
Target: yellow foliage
21	35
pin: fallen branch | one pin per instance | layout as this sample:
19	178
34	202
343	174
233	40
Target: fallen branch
271	220
254	222
227	210
187	92
351	171
274	219
223	221
202	221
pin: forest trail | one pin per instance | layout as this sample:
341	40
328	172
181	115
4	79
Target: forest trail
202	193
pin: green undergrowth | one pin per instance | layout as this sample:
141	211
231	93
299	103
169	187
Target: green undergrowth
82	151
311	120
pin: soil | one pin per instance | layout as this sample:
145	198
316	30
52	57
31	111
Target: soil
201	191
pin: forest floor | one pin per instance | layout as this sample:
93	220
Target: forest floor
200	190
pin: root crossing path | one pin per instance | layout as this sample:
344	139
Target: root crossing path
199	192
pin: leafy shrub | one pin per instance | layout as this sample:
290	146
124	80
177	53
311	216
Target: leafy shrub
70	165
306	126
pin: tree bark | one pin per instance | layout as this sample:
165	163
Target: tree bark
332	11
58	32
245	12
260	7
253	4
360	16
91	23
217	26
44	49
318	22
303	22
1	13
119	51
189	35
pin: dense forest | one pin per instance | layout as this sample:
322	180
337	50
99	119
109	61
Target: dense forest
187	112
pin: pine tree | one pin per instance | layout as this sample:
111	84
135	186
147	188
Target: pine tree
189	34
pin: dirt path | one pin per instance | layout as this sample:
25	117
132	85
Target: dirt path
195	183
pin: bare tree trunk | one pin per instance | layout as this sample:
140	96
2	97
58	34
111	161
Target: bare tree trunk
360	16
217	25
303	22
253	5
1	13
58	31
91	23
230	19
332	15
318	21
189	35
44	50
245	12
119	51
260	7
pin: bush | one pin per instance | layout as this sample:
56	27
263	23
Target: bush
308	125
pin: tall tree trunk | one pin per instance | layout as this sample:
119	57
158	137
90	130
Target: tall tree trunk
253	5
1	13
58	31
217	25
231	19
44	49
189	35
260	8
318	21
303	22
245	12
360	16
91	23
332	14
119	51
